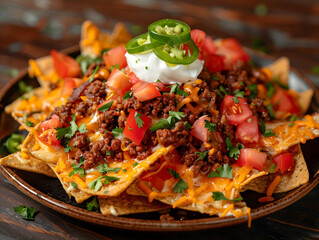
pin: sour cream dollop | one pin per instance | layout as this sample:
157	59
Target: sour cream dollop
149	68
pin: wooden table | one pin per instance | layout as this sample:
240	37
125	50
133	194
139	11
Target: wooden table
29	29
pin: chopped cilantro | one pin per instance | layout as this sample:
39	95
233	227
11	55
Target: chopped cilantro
242	83
104	168
67	132
216	77
115	66
202	155
82	128
178	91
127	95
272	168
210	126
315	70
117	131
146	67
168	122
135	164
188	125
222	171
180	186
67	148
23	87
238	93
124	170
93	205
77	168
291	124
106	192
270	89
173	173
220	196
27	96
93	74
254	90
74	185
235	99
280	84
129	128
97	183
240	146
222	90
271	111
25	212
266	132
293	118
106	107
138	119
28	123
232	150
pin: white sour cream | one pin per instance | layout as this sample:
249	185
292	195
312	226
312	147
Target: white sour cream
149	68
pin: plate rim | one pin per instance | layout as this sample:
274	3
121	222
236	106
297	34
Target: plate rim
156	225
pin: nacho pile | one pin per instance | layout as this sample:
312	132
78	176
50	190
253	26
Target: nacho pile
142	147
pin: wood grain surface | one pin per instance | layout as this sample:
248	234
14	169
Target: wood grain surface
30	29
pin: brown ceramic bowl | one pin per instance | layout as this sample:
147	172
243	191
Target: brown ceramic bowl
50	193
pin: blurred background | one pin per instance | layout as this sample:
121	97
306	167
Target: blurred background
30	28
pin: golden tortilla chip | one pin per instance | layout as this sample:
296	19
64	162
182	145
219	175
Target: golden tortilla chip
304	100
93	41
289	134
290	180
114	188
26	162
280	69
78	195
127	204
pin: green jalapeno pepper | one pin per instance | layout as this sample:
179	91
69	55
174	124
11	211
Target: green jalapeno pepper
138	45
13	143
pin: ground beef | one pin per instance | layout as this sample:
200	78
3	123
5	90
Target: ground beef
63	113
226	129
166	217
108	120
259	109
96	91
176	137
81	141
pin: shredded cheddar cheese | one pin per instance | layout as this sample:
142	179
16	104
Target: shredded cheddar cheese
273	186
229	207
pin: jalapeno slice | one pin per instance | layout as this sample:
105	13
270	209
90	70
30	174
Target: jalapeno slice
173	55
138	45
13	143
170	31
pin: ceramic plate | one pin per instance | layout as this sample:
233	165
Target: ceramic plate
50	193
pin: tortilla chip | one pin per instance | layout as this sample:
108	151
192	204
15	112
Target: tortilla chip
78	195
115	188
128	204
304	100
280	69
93	41
290	180
45	72
30	164
289	134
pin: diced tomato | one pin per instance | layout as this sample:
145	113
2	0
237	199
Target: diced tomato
115	56
52	123
236	113
145	91
252	157
64	65
119	82
69	85
199	38
133	78
198	129
209	46
214	63
132	130
284	102
233	52
160	86
247	131
283	161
